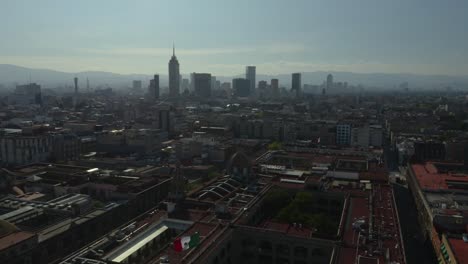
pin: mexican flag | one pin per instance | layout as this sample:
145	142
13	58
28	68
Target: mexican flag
186	242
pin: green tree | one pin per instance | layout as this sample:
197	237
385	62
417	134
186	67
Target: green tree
275	146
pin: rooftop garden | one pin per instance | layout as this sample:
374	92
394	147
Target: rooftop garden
304	208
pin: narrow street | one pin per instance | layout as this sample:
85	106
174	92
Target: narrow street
417	251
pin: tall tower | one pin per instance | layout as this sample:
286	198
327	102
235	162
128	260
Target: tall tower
329	81
174	75
275	88
296	85
250	72
154	88
75	96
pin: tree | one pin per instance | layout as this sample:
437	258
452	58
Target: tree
275	146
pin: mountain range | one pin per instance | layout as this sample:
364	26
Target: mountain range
12	74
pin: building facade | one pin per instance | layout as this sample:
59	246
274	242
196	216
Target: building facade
202	84
241	87
250	74
174	76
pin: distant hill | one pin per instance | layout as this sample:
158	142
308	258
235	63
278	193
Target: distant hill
11	74
383	80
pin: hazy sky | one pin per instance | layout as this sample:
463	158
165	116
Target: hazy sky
222	36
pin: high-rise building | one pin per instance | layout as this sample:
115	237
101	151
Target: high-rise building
202	84
163	113
262	85
75	95
241	87
136	85
262	89
213	81
192	81
153	89
275	88
250	72
343	134
296	85
75	80
26	94
174	75
185	84
225	86
329	81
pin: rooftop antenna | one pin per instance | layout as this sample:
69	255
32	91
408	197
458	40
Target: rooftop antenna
173	49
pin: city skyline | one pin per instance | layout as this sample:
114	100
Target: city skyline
427	40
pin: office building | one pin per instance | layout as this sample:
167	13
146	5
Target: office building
250	72
343	134
153	90
296	85
213	83
26	94
275	88
241	87
174	76
262	85
75	95
329	81
202	84
136	85
185	84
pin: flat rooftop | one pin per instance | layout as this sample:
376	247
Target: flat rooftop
430	178
14	238
459	249
122	253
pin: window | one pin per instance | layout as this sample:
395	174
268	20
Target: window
300	252
282	249
265	247
247	242
318	252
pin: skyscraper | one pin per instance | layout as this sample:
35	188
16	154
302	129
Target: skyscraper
241	87
153	90
275	88
329	81
250	75
296	85
202	84
262	85
174	75
213	83
185	84
75	96
136	85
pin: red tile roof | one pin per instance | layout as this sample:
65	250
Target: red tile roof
385	220
459	249
429	178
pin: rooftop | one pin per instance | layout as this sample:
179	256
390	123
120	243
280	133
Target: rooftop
431	178
460	249
14	238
